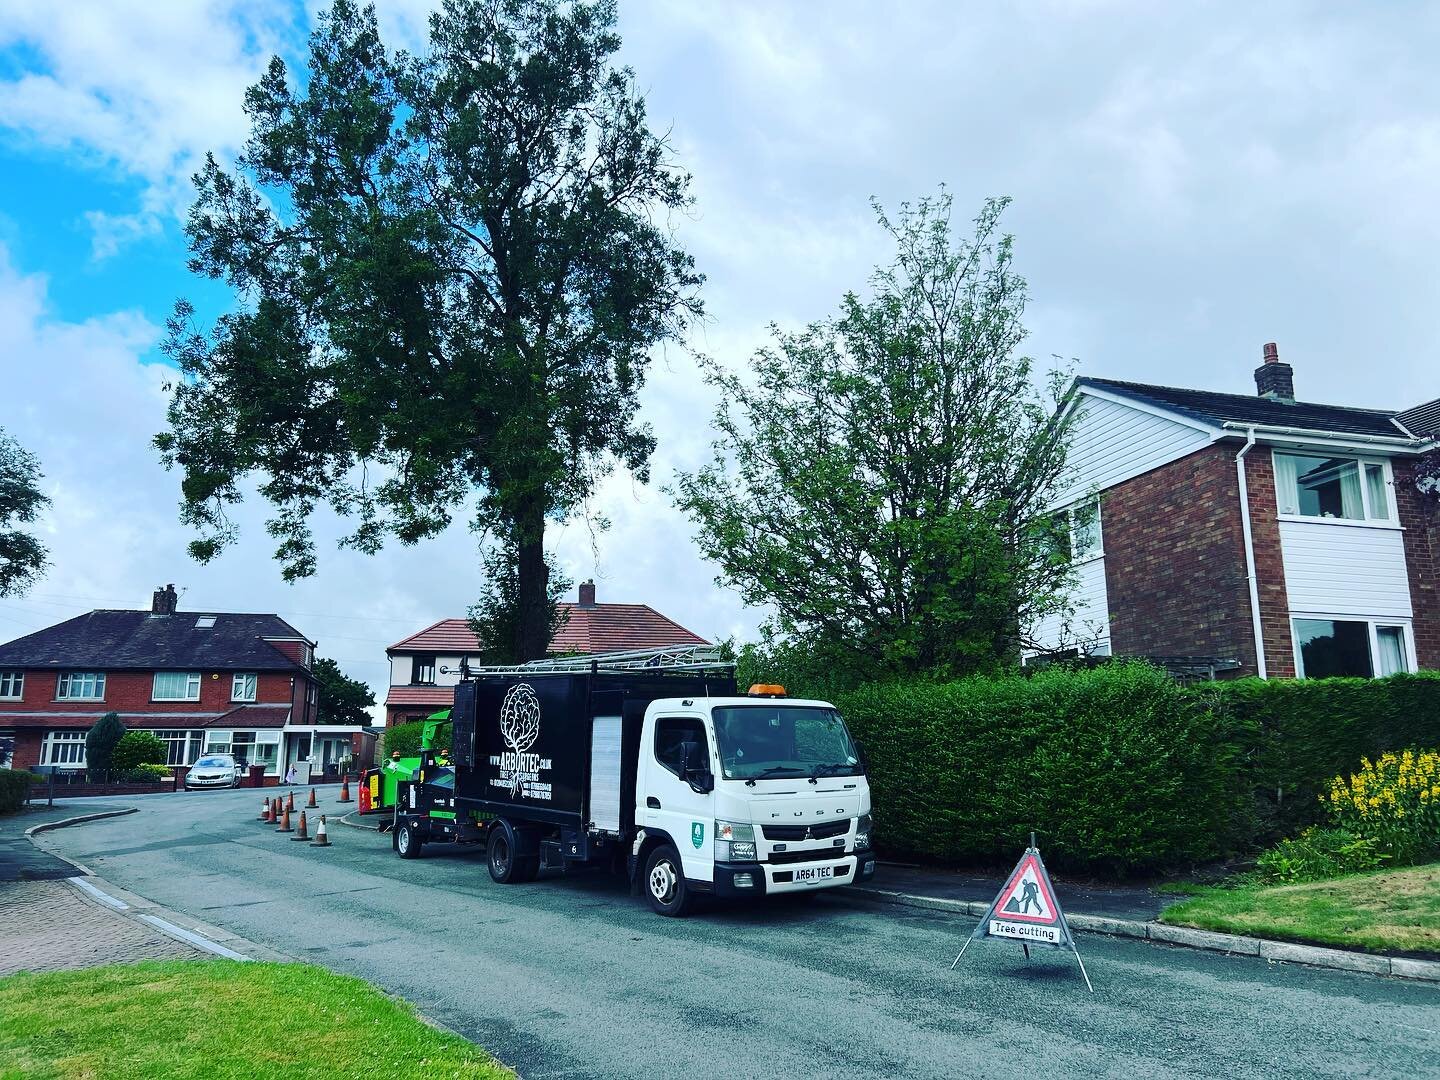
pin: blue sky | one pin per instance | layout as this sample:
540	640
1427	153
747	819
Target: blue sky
1190	181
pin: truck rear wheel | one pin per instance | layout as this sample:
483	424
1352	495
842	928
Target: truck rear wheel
407	841
665	885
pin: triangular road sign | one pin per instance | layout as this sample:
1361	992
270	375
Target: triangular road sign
1026	910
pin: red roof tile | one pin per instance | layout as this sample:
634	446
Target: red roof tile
593	628
252	716
421	695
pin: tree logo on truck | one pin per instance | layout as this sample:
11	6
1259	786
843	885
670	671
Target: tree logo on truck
520	727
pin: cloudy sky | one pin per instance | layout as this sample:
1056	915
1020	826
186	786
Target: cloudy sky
1190	181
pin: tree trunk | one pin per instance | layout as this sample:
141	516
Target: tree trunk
532	584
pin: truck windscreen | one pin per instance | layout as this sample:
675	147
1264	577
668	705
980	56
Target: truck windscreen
783	741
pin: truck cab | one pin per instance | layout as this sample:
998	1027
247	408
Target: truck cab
747	796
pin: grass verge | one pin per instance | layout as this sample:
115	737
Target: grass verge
219	1018
1388	911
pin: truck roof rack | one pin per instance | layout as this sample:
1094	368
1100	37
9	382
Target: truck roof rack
670	658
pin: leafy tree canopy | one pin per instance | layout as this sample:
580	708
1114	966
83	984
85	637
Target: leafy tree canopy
882	478
100	741
342	700
450	270
22	557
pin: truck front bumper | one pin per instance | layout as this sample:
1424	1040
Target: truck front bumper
762	879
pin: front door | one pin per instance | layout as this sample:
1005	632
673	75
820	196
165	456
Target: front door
670	803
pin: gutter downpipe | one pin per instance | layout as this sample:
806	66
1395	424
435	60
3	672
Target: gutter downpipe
1250	553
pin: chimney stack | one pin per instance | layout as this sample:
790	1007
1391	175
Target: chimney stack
163	601
1275	379
587	593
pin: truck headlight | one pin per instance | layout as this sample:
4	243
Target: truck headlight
734	841
862	832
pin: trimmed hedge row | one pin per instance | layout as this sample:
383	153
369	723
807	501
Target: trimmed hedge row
1118	769
13	785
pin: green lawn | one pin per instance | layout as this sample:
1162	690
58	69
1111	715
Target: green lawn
219	1018
1389	911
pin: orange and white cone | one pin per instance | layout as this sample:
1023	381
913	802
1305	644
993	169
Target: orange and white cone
345	788
265	809
301	833
312	804
322	838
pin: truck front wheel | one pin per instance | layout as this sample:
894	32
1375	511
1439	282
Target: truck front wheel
407	841
665	886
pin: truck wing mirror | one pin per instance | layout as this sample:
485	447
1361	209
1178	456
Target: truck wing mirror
693	769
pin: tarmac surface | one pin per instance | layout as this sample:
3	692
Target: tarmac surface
573	977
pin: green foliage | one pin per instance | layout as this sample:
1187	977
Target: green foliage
882	479
1317	854
22	557
1308	731
1393	801
342	700
14	783
495	618
406	738
149	774
137	748
452	268
1115	769
100	742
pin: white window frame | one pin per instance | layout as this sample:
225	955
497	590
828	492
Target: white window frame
235	684
417	665
189	742
1373	623
73	744
12	685
192	686
257	738
1392	521
66	679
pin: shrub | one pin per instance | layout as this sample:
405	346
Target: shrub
1116	769
100	742
1393	801
1316	854
149	774
406	738
137	748
14	784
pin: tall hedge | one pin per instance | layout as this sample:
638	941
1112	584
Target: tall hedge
1116	769
406	738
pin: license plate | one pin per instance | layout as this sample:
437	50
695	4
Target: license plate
815	873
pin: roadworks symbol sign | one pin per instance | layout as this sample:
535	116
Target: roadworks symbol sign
1026	909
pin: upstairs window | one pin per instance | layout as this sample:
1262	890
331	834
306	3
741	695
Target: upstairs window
81	686
176	686
12	685
1346	489
1074	533
242	686
424	673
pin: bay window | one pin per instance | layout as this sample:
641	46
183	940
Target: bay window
64	749
1338	488
181	747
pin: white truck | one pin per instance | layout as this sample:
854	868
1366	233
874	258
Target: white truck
650	763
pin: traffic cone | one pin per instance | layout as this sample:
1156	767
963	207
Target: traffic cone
284	825
312	804
270	807
322	838
290	802
301	834
345	788
265	809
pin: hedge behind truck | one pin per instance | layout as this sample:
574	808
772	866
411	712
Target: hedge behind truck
1118	769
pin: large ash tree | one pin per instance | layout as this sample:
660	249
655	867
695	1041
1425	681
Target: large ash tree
883	479
450	270
23	558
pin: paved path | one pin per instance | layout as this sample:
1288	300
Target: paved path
573	977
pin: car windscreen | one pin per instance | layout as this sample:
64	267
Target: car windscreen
783	740
215	763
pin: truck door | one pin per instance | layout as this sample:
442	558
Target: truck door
670	803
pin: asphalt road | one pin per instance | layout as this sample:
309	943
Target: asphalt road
570	976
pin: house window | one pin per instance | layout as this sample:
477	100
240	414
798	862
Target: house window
181	747
1074	533
1308	485
65	749
242	686
424	673
81	686
176	686
217	742
12	685
205	622
257	748
1357	648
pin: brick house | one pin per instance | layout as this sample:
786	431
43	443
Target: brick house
425	666
1256	535
202	681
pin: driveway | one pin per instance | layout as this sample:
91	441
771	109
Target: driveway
573	977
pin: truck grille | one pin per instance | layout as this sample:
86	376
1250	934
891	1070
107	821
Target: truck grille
822	831
823	855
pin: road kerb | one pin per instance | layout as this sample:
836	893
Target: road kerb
345	820
1186	937
46	826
